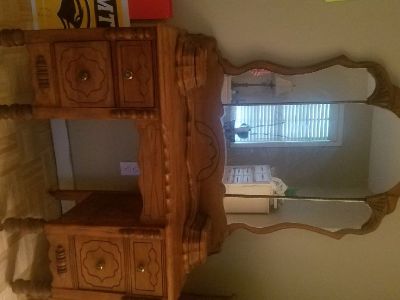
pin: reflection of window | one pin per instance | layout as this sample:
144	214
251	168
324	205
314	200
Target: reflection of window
289	125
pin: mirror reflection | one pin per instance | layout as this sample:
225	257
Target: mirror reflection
333	84
303	148
327	214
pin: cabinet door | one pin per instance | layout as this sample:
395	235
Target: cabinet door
148	268
136	76
85	74
100	263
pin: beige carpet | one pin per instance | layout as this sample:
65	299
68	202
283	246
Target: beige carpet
27	165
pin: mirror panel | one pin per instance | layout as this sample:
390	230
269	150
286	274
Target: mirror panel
210	140
331	215
317	151
333	84
304	149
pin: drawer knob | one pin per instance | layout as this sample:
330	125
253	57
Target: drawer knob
100	265
83	76
140	269
128	74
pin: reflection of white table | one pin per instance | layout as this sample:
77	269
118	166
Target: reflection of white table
249	180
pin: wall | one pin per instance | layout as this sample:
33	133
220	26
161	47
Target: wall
295	264
96	157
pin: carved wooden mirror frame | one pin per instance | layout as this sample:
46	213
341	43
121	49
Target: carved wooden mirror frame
386	95
206	145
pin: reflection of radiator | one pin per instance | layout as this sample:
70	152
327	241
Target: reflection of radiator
249	180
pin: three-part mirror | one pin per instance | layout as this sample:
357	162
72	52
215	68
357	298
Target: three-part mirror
305	148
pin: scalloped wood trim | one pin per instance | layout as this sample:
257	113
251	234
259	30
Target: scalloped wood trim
200	79
380	204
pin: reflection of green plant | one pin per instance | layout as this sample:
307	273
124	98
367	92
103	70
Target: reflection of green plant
291	192
243	131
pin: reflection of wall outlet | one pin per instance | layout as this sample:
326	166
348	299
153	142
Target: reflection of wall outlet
129	168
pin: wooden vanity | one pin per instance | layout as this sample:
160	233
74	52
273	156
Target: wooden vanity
101	245
117	245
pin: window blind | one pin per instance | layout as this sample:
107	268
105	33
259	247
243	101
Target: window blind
307	123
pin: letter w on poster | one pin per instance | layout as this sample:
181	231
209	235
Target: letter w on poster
58	14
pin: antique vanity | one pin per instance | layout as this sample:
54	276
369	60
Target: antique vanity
118	245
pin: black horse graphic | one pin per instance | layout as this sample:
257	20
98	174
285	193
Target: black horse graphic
71	12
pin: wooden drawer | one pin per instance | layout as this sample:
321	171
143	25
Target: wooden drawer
115	265
84	74
100	263
136	73
148	266
107	254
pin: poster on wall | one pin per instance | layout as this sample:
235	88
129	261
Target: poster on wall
58	14
150	9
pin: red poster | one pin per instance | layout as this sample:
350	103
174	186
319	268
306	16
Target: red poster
150	9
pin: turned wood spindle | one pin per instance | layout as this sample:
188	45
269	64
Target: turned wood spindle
16	111
33	289
22	225
12	37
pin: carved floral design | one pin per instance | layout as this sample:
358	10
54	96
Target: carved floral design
153	267
148	267
145	74
111	275
73	80
213	156
83	71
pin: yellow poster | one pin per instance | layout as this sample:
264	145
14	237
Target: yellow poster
54	14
